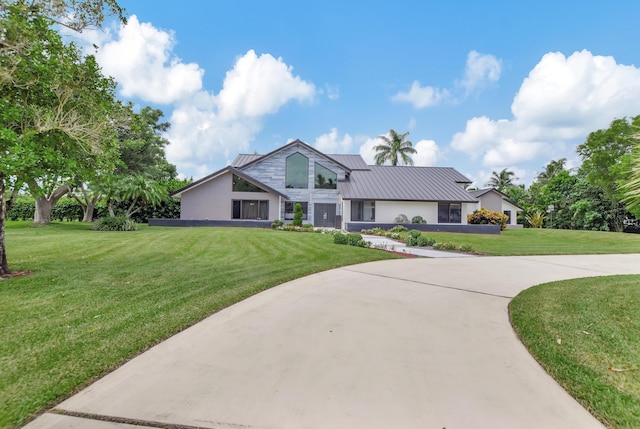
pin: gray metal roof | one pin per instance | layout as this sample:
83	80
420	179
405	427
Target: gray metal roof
354	162
403	183
244	159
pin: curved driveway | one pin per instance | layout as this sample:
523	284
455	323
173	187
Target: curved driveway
412	343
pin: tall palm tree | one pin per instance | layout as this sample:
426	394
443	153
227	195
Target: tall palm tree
502	181
551	170
394	148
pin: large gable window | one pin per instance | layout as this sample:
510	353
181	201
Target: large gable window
297	173
449	213
241	185
250	209
325	178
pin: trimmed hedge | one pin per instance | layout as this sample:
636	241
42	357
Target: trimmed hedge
486	217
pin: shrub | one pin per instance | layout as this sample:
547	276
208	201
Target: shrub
115	223
22	210
67	209
418	219
423	241
536	220
486	217
398	228
415	233
307	226
402	218
277	224
350	239
297	215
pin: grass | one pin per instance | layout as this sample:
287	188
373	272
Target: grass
586	334
96	299
520	242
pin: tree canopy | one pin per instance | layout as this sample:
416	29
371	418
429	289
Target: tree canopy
394	148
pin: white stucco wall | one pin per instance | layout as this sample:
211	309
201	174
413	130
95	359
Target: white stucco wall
213	200
387	211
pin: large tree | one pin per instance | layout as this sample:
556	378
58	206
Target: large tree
502	180
606	163
54	104
394	147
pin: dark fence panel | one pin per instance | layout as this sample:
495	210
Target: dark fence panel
221	223
468	229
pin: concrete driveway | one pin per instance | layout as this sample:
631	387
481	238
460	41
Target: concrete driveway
415	343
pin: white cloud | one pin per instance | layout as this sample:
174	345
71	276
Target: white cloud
480	69
332	143
205	127
257	86
421	96
561	101
427	154
333	92
367	150
141	60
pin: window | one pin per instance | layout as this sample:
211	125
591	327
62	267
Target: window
241	185
449	213
508	213
297	172
250	209
364	211
325	178
288	209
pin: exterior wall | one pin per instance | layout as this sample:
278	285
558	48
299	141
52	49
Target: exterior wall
387	211
213	200
272	172
514	211
492	202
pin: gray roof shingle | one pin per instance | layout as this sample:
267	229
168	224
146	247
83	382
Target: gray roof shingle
404	183
354	162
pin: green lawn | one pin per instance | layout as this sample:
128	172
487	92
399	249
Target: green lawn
95	299
544	242
586	334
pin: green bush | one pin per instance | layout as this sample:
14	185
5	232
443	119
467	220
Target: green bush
402	218
277	224
351	239
23	209
67	209
486	217
415	233
418	219
115	223
423	241
398	228
297	215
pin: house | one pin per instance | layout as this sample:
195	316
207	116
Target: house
339	191
496	201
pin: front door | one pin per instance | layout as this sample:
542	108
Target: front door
324	215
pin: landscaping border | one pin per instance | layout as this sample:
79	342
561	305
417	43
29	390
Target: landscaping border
425	227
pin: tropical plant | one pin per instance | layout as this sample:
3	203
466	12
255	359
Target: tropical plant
502	180
536	219
394	147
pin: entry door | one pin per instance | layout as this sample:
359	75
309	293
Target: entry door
324	215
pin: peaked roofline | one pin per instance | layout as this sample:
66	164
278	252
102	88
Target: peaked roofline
481	192
227	169
294	143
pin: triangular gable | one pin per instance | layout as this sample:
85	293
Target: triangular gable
480	192
296	143
226	170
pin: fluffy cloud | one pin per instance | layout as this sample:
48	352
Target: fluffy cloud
562	100
206	128
257	86
141	60
427	154
421	96
480	69
332	143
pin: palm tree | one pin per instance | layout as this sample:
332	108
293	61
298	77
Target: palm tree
502	181
393	148
551	170
632	187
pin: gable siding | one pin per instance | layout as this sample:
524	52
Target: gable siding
271	172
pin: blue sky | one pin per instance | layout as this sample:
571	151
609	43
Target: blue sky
480	86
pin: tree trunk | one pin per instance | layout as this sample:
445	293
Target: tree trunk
4	266
45	203
88	211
